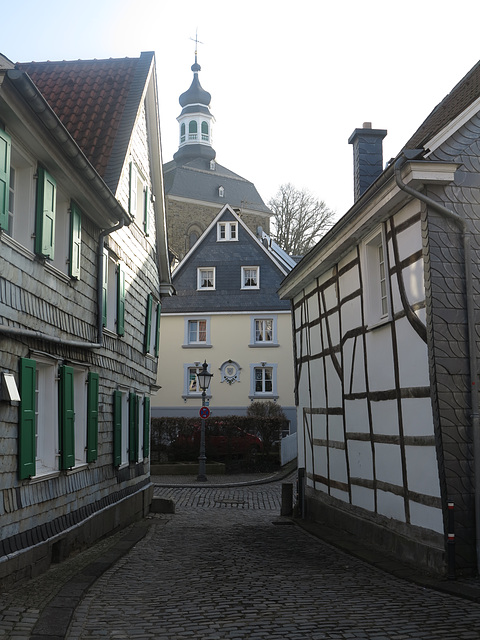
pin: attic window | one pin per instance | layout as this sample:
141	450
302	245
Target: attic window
221	192
212	165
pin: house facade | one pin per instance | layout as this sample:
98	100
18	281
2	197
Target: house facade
385	311
83	269
196	185
226	311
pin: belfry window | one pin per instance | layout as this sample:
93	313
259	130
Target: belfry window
182	132
192	130
205	131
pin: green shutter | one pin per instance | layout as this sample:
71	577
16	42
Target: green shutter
67	418
133	427
157	332
92	417
146	427
26	433
5	151
148	323
45	215
146	211
117	428
75	241
105	288
120	299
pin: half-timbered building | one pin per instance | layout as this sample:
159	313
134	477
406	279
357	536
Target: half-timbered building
385	332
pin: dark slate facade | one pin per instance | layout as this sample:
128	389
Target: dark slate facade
227	258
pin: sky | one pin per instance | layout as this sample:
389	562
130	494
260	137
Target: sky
290	81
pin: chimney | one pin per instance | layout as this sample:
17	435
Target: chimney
367	157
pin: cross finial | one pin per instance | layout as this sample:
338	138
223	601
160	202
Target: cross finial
197	42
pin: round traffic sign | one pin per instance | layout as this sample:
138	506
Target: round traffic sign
204	412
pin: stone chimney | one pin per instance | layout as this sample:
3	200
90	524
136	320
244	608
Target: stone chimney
367	157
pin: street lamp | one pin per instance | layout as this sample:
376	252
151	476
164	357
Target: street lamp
204	377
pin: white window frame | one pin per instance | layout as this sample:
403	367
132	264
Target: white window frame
254	342
192	344
112	293
187	393
200	271
227	231
62	232
244	270
270	395
22	214
47	453
376	288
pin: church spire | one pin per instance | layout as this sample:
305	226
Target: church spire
195	121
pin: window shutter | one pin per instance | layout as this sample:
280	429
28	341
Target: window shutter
5	151
132	193
45	216
117	428
92	417
75	240
26	433
105	287
132	428
120	299
67	418
157	333
146	220
148	323
146	427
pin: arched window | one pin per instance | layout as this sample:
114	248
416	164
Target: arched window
205	131
182	132
192	238
192	130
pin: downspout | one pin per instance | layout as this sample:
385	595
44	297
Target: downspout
472	351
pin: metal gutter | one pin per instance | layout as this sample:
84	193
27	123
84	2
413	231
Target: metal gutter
472	349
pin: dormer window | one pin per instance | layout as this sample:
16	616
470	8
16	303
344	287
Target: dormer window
226	231
221	192
212	165
205	135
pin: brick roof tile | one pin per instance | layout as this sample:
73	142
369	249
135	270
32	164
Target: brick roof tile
89	97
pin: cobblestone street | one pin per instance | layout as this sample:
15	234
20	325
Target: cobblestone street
227	566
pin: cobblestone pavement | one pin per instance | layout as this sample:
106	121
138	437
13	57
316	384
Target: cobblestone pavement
226	566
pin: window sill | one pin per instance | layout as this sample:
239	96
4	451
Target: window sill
199	345
264	396
57	273
379	323
80	467
195	396
263	345
14	244
48	475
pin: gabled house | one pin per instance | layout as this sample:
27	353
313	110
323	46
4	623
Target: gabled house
83	268
385	313
227	312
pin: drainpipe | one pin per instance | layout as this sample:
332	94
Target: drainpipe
411	154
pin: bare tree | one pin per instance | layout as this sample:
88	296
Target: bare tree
300	220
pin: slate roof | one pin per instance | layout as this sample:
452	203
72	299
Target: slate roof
459	98
228	258
97	101
195	180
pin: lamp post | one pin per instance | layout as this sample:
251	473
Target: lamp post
204	377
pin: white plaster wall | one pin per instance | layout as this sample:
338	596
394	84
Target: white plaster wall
388	463
385	417
391	505
417	417
356	416
422	470
363	497
427	517
360	458
380	359
412	356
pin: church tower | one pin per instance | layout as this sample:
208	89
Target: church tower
196	186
